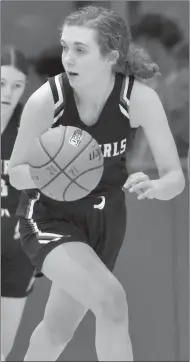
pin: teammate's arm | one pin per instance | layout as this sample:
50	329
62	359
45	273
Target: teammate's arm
146	110
36	118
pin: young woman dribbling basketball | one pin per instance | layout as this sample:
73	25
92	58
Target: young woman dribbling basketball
104	95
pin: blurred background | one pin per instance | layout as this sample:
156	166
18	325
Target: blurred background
153	262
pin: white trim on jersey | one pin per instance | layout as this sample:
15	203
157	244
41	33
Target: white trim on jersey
126	100
60	101
31	208
44	237
123	110
31	282
58	116
125	92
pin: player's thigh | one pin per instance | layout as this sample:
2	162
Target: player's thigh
75	267
11	314
63	313
11	310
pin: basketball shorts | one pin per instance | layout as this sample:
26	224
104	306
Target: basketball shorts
97	221
16	268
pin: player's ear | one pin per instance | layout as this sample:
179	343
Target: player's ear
113	57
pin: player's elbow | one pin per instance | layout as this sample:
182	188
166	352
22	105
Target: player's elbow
20	177
181	182
178	182
14	182
14	177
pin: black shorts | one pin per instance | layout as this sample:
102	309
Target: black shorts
16	268
103	229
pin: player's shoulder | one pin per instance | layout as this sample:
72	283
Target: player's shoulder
143	91
140	90
143	97
39	109
49	93
41	96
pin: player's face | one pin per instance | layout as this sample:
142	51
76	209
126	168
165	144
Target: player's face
12	87
81	57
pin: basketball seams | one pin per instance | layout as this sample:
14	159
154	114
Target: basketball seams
61	146
50	157
44	164
69	177
74	180
78	154
63	169
81	174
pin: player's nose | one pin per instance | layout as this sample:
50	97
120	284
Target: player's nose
69	60
7	93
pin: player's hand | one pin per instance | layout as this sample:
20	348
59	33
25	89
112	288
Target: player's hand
141	184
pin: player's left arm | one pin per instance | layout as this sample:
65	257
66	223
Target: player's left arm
146	110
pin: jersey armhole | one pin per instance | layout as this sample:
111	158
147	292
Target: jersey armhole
129	91
125	94
56	85
130	86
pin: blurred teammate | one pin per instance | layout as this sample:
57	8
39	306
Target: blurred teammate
16	269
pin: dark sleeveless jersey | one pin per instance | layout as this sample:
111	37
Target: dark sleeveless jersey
9	195
112	131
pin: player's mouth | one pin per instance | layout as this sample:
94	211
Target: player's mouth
6	103
72	74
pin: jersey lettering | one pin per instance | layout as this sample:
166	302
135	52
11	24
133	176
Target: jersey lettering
123	145
116	152
96	153
107	150
114	149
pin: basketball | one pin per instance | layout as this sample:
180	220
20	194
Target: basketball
66	163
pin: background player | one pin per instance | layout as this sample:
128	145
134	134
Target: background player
163	39
98	60
16	269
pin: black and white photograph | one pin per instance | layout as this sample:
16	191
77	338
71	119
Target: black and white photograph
95	180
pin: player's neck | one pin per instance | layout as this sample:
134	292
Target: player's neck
97	92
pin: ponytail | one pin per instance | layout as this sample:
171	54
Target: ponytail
139	63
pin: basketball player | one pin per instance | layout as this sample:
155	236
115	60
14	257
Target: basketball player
100	90
16	269
163	38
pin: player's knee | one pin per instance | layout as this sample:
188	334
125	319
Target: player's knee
58	333
113	305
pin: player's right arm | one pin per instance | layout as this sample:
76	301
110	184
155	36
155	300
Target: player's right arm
37	117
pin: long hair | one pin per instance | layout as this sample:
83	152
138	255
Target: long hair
114	34
12	56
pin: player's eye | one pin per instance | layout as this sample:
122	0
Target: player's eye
79	50
64	46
